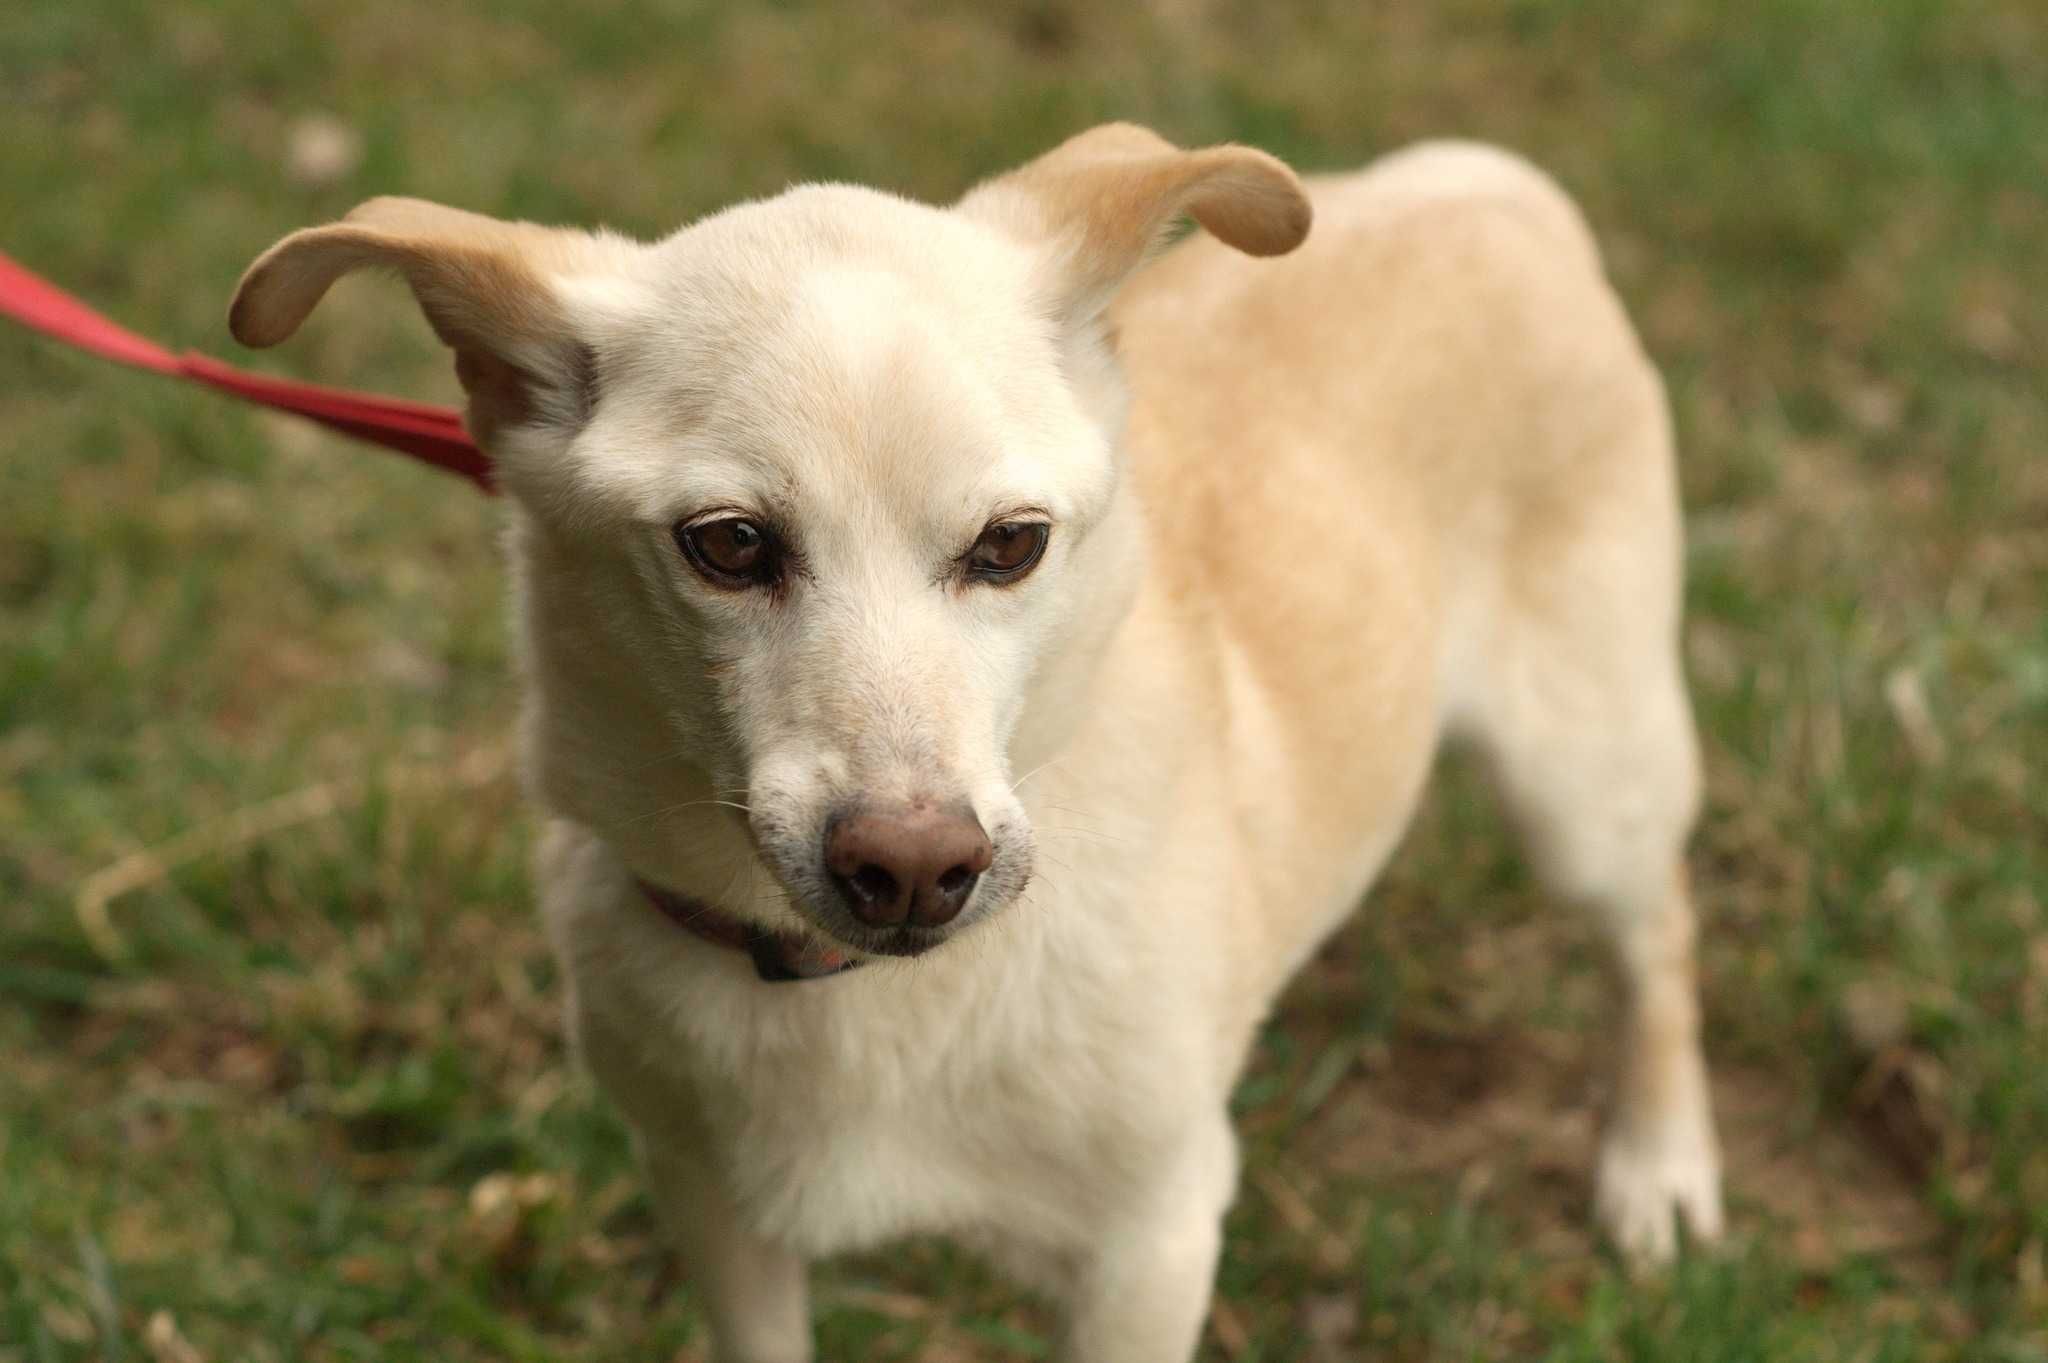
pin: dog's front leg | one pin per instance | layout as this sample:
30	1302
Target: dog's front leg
754	1293
1143	1288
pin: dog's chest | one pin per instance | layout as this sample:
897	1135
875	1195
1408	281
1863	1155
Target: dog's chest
856	1139
828	1177
848	1111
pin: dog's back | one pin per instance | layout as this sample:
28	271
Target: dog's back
1367	461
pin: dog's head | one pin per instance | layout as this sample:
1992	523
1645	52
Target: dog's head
822	517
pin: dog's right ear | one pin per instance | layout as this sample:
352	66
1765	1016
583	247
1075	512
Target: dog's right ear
1101	202
500	294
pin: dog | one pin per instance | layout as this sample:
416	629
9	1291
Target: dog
974	655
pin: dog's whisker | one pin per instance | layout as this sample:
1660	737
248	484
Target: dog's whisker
1018	784
1083	834
1074	813
664	811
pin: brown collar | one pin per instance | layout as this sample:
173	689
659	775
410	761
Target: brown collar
778	957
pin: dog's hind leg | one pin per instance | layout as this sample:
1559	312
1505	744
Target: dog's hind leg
1659	1155
1583	713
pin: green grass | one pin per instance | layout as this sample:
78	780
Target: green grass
307	1097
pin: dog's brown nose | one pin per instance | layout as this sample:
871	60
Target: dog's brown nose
911	863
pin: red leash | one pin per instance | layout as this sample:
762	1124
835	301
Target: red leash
432	435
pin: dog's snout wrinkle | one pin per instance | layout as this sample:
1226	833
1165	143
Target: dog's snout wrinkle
912	863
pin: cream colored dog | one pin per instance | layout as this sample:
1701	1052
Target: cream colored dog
1049	648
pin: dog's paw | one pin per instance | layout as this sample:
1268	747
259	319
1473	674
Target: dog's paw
1646	1187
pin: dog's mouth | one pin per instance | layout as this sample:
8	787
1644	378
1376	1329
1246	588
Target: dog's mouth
902	942
829	923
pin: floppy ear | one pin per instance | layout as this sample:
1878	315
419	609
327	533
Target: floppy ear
493	291
1105	199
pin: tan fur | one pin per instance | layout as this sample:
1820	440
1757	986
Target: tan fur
1107	196
1409	481
482	284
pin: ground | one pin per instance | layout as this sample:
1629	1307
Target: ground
293	1086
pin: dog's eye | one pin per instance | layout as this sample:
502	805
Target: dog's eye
732	552
1007	550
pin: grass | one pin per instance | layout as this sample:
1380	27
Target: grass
307	1098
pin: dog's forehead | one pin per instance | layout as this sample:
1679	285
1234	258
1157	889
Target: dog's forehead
844	288
828	343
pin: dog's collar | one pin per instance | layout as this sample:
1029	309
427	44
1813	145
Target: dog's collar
779	957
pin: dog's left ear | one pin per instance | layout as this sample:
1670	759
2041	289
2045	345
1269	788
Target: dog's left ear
1103	201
